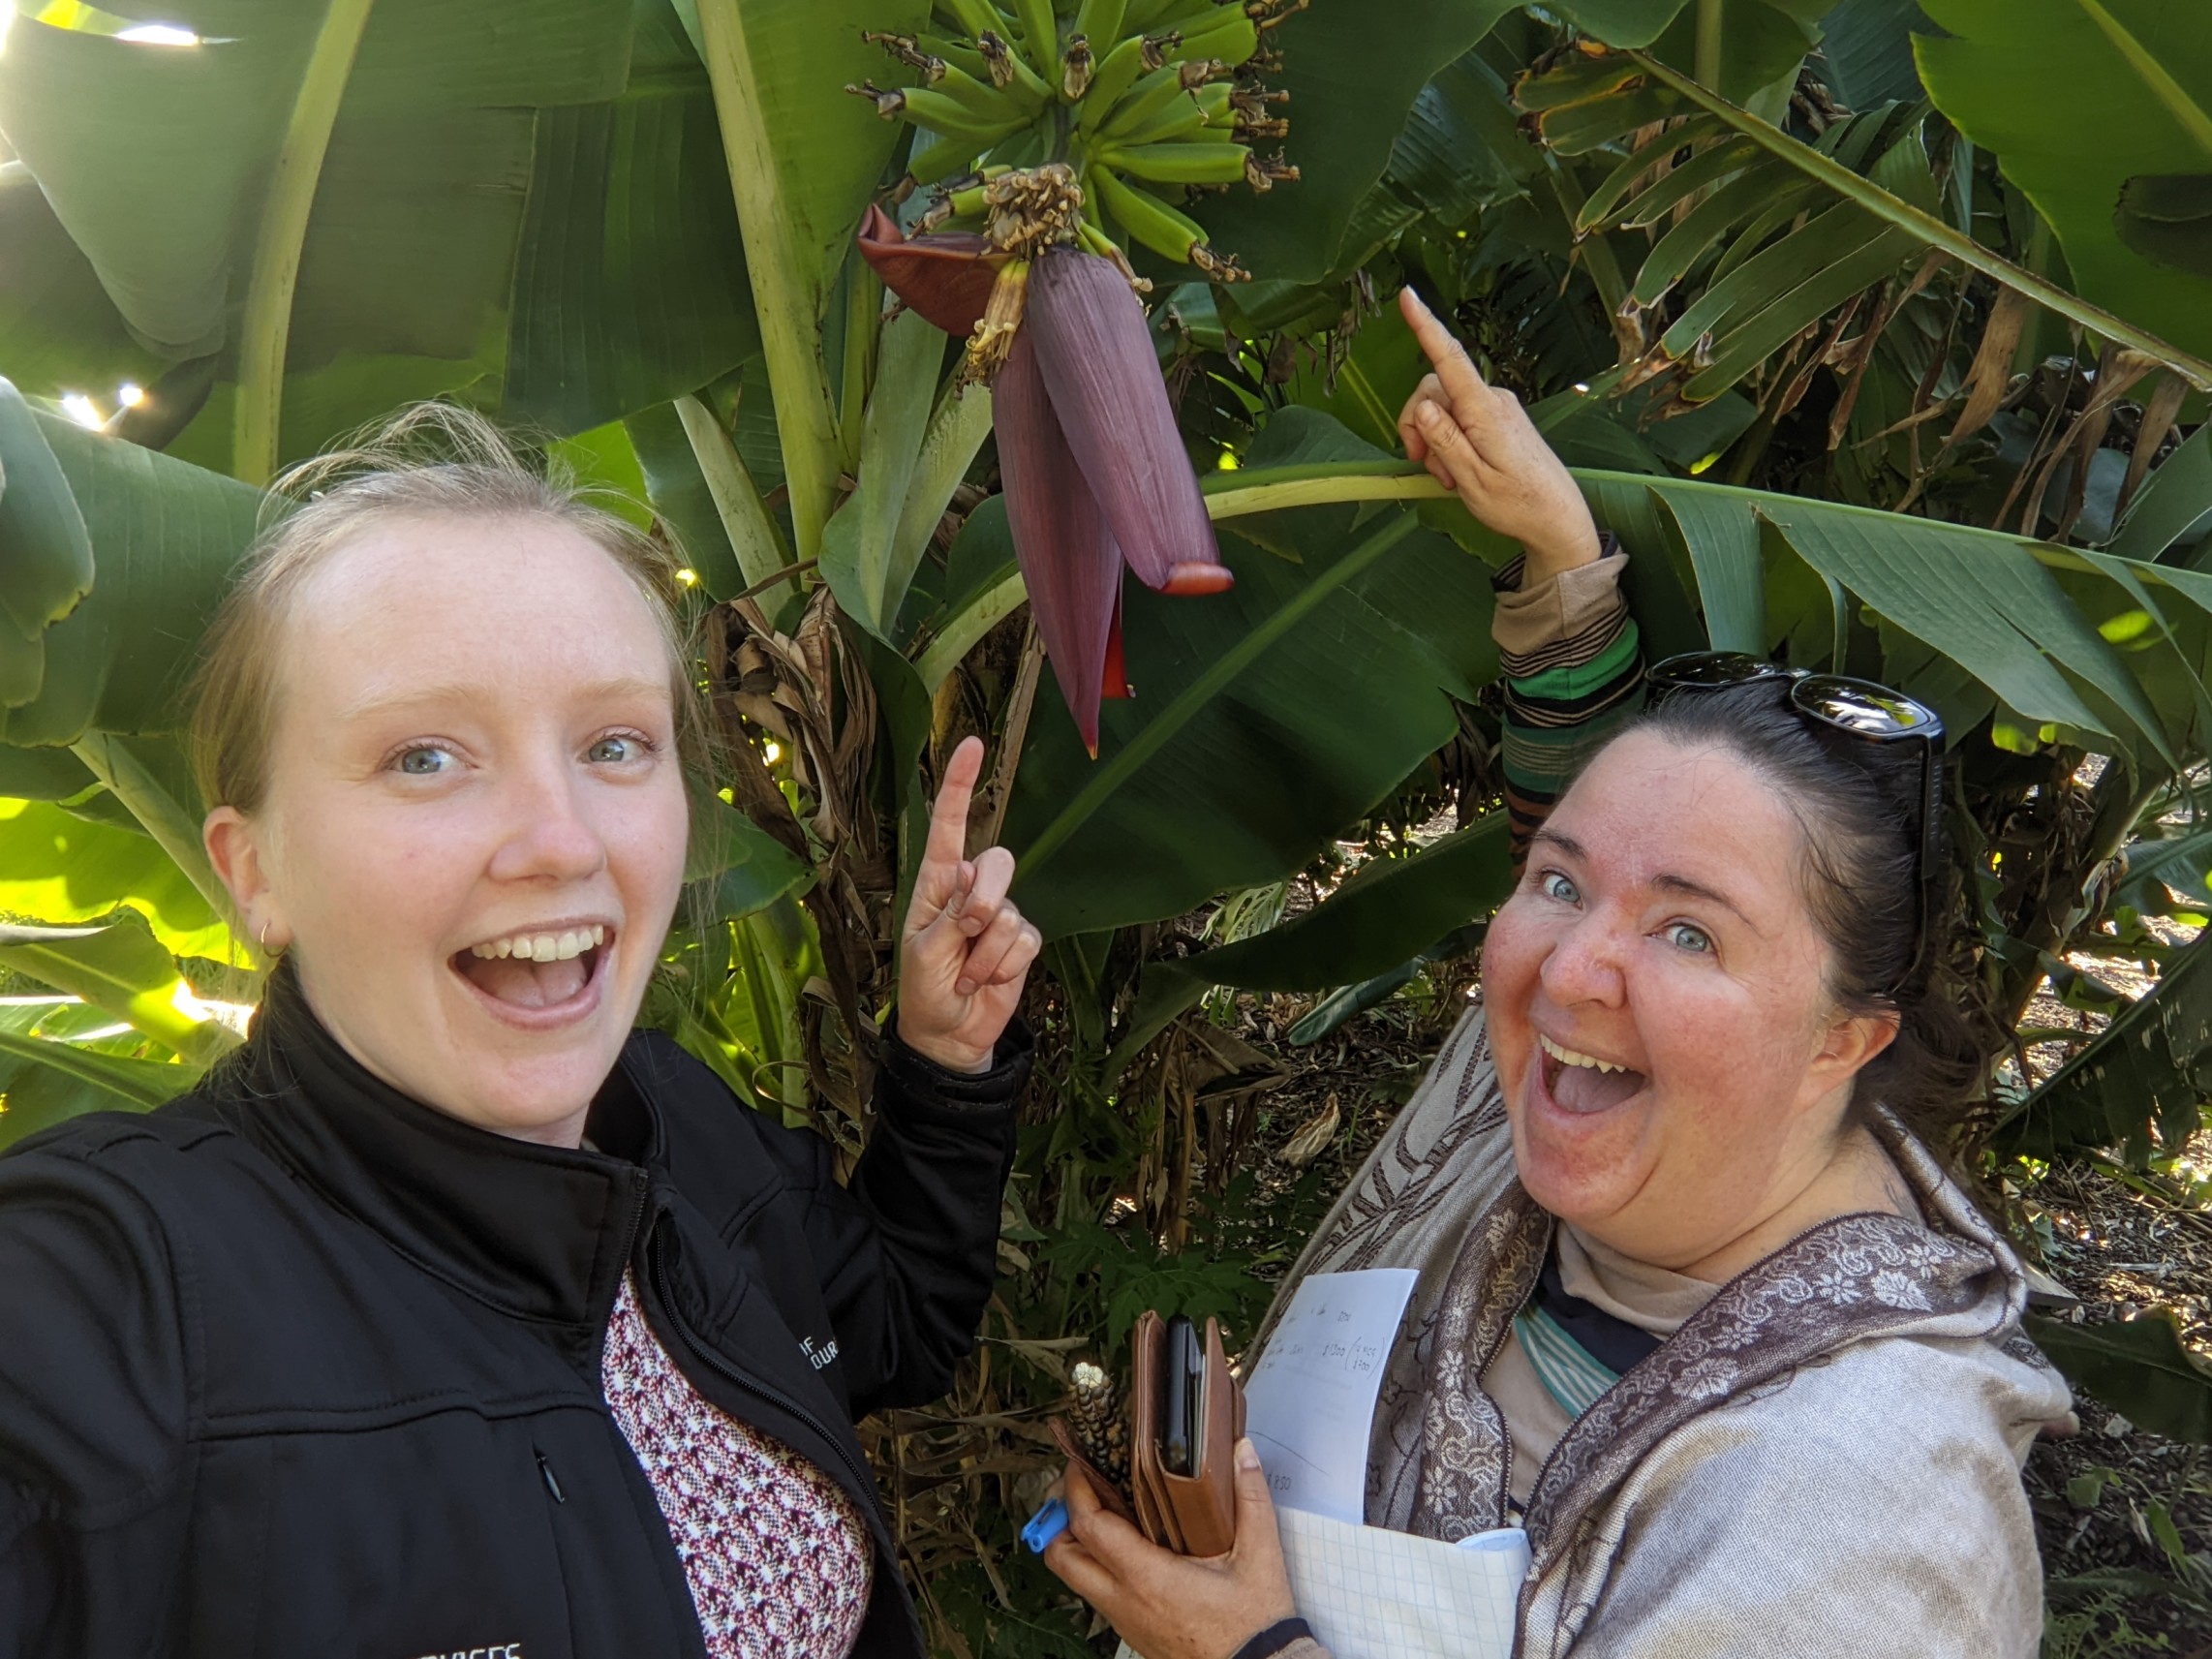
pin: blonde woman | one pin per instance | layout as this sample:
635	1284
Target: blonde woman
453	1316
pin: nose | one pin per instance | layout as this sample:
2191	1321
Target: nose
548	835
1585	965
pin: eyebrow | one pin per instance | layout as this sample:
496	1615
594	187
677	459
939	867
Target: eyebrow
1666	881
429	697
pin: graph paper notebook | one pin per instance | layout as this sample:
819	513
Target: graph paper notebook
1371	1593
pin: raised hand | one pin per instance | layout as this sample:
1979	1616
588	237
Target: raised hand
965	949
1478	441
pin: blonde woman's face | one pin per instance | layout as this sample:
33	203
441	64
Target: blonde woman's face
474	831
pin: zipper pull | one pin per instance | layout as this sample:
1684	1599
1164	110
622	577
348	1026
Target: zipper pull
552	1485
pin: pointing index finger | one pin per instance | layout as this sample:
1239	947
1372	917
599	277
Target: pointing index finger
948	817
1455	371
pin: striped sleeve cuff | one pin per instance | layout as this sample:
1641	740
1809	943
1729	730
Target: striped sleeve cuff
1569	618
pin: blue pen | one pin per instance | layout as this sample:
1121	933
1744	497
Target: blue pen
1047	1523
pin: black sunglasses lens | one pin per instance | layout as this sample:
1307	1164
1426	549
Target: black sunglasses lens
1861	707
1701	669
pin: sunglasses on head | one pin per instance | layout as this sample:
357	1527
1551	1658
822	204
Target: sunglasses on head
1856	710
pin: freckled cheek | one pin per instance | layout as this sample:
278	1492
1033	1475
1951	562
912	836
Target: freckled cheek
646	845
1512	963
1722	1077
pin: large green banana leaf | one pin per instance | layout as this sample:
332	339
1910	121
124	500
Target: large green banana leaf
1261	726
1264	719
523	206
2152	1067
64	870
163	535
1741	48
56	1065
2084	101
122	969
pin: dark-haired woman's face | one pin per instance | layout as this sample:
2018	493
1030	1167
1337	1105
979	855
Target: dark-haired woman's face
1673	1066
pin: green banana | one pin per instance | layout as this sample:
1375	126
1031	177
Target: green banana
947	116
1195	163
1232	39
941	159
1146	17
1181	119
953	55
1007	67
1145	216
974	15
1157	92
1100	19
1208	110
985	103
1041	30
1115	73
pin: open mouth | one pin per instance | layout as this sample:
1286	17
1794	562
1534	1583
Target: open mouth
1583	1084
539	969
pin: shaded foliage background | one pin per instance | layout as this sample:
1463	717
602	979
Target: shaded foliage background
1878	331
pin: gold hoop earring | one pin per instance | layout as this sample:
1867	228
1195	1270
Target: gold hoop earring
263	939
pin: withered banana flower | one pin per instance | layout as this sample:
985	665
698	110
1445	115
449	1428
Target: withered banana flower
1095	469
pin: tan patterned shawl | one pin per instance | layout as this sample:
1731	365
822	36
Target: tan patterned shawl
1439	1195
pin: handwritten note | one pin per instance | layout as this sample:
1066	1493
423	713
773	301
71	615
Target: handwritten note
1311	1401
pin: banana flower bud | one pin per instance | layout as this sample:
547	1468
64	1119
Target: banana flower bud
1095	469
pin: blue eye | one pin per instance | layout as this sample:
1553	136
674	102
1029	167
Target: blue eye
615	750
1687	935
1554	885
423	760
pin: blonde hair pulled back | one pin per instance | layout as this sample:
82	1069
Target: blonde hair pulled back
430	461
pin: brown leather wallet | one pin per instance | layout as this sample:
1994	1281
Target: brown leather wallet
1194	1514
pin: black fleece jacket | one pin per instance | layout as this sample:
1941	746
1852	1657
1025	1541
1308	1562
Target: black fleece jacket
299	1367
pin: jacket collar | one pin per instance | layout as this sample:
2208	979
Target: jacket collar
541	1233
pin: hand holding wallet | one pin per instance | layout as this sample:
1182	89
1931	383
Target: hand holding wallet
1182	1492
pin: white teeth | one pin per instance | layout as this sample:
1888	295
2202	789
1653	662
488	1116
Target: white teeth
545	947
1569	1056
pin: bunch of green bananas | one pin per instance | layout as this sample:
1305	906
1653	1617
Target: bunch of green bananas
1138	99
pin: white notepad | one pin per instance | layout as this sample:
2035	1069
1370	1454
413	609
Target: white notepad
1309	1403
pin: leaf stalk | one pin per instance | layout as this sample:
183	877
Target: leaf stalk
265	330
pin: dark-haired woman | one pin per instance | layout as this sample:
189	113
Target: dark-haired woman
1696	1305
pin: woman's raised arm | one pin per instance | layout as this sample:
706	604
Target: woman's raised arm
1568	647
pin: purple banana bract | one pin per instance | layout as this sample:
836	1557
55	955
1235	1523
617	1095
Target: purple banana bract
1095	469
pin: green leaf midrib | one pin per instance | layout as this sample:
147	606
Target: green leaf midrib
2192	116
1419	487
